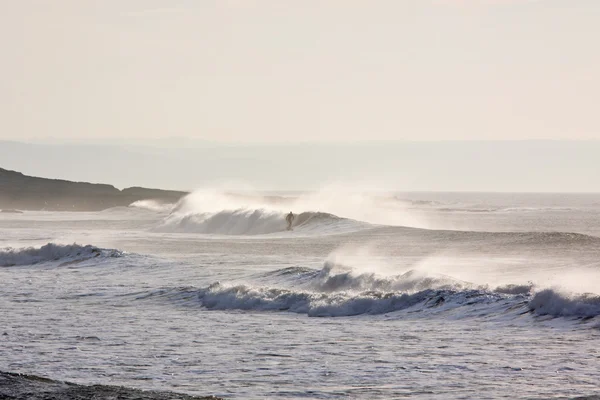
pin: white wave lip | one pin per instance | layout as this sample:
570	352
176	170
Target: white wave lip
339	304
52	252
336	291
243	297
334	277
234	222
152	205
216	212
558	304
255	222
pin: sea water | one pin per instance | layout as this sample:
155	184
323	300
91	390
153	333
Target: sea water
371	295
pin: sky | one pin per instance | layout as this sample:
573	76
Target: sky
283	71
482	166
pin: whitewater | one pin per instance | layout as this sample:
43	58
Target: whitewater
372	294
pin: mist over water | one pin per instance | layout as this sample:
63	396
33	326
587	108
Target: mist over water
362	205
376	205
335	209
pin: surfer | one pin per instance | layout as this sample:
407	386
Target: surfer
289	219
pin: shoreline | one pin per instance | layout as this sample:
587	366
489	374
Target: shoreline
24	386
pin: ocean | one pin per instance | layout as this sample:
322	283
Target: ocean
371	295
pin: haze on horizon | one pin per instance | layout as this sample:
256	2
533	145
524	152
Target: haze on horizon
182	73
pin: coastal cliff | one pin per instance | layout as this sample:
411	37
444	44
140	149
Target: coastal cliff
18	191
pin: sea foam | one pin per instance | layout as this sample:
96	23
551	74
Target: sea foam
52	252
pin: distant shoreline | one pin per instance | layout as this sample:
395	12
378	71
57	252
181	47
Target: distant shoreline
23	192
19	192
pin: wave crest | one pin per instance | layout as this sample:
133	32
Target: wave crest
472	302
331	210
51	252
557	304
152	205
335	277
254	222
243	297
335	291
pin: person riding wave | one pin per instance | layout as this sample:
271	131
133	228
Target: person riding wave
289	219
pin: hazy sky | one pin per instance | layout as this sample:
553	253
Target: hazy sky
286	71
507	166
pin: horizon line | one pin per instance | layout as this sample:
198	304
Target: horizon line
279	191
155	142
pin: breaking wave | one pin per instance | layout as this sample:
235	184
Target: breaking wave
255	222
244	297
474	302
553	302
315	304
213	211
152	205
52	252
335	277
336	292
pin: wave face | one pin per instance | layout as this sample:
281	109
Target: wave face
337	304
335	277
52	252
314	304
255	222
220	296
335	291
554	303
218	212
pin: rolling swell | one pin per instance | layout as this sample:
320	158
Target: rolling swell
335	292
52	252
470	303
255	222
314	304
335	304
528	239
553	238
